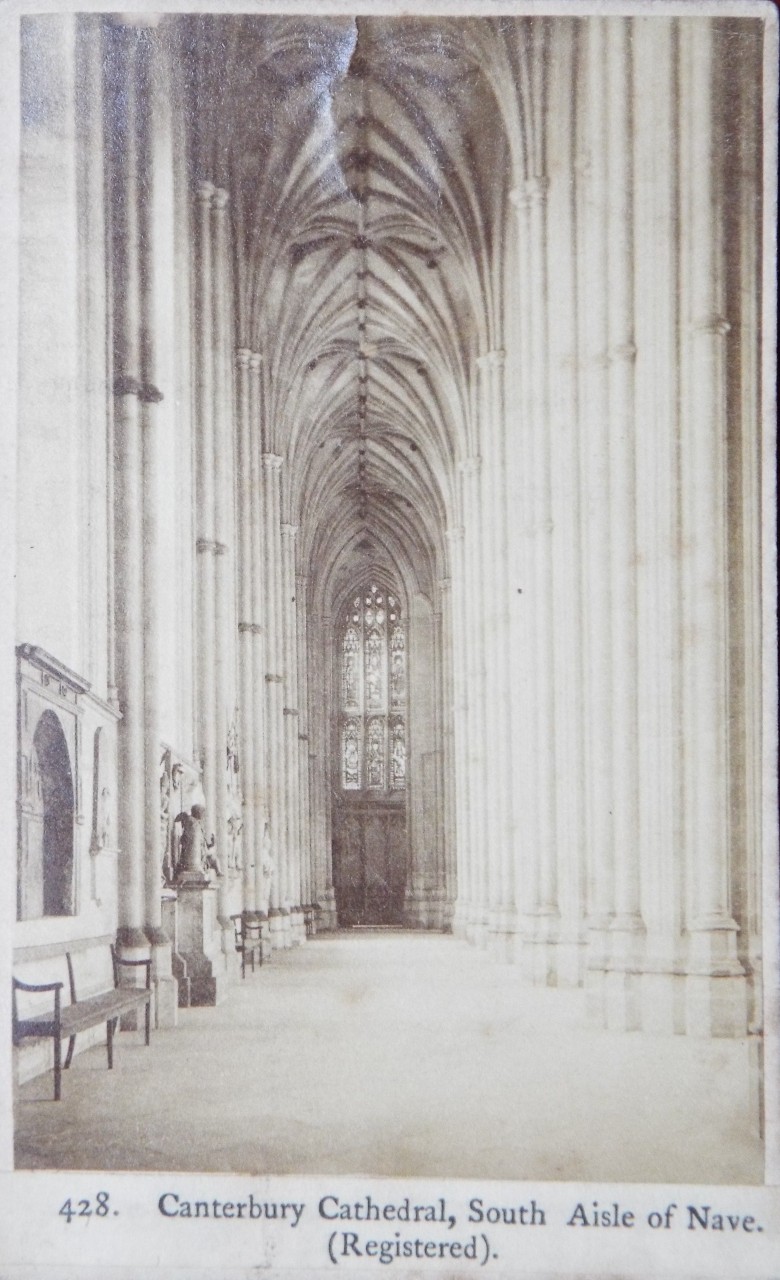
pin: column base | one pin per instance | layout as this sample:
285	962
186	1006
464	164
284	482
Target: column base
328	918
297	926
538	948
570	957
503	939
460	916
200	944
662	1000
166	993
623	979
423	907
477	927
716	1006
132	944
279	927
716	983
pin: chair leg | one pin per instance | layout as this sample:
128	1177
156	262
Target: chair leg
69	1054
110	1043
148	1019
57	1069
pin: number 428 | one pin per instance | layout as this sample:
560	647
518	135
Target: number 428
85	1208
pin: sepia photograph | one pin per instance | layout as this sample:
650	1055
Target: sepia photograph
391	669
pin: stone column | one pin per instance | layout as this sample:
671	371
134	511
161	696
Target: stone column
304	801
563	229
626	926
153	88
291	713
475	699
259	782
654	53
320	762
279	915
198	910
596	543
502	923
460	727
247	499
224	603
440	894
716	1003
205	500
541	897
126	178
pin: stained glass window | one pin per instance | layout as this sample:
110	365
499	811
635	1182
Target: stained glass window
350	754
372	650
375	753
350	669
397	754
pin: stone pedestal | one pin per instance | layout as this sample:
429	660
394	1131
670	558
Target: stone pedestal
178	963
200	942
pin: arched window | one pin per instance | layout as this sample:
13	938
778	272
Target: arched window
373	693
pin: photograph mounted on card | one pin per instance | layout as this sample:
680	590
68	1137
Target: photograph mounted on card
392	665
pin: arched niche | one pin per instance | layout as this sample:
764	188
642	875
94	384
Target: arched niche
47	879
50	711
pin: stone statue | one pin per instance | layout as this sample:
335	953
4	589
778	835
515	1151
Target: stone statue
196	853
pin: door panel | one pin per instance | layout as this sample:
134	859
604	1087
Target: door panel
369	863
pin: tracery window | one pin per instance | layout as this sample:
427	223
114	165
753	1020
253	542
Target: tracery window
373	693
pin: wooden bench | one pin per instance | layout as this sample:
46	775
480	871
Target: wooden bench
67	1020
248	934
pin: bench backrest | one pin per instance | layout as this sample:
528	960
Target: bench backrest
86	971
93	972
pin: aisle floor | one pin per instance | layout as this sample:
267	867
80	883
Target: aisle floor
394	1053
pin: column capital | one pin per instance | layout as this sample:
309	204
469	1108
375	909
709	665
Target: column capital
716	325
289	530
272	461
220	198
494	359
470	466
531	191
625	351
243	357
204	192
255	360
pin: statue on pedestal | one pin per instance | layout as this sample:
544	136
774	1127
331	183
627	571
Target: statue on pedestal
197	854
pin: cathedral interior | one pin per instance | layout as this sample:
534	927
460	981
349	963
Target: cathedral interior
388	548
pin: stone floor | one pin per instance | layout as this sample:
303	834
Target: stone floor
394	1053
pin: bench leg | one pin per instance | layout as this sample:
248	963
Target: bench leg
110	1043
148	1025
57	1069
69	1054
253	959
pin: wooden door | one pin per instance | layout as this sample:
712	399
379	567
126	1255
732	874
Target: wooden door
369	862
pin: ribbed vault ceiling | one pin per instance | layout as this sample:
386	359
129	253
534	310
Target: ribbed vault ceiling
369	167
